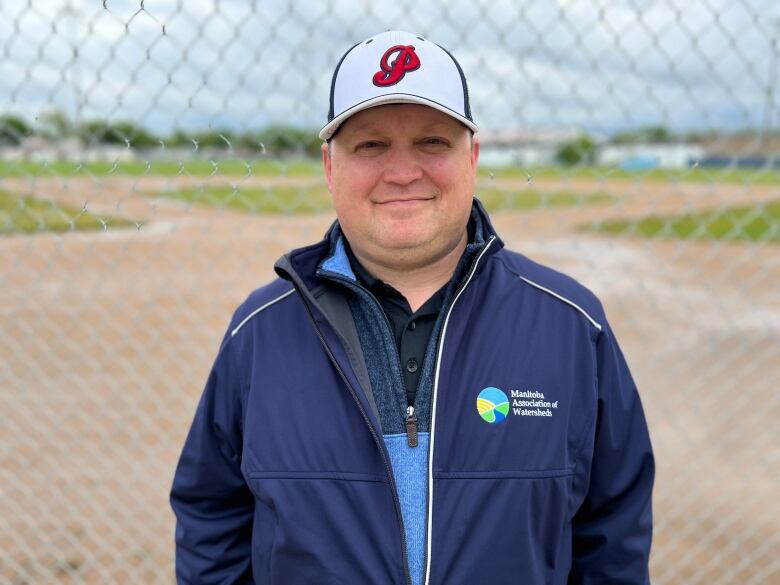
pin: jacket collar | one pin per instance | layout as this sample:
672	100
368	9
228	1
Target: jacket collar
329	254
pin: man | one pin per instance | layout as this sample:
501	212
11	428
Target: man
409	402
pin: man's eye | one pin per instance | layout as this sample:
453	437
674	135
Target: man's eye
369	144
433	141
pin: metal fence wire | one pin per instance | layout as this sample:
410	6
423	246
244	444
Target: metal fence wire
157	157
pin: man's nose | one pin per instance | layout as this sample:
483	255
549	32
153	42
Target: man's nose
402	167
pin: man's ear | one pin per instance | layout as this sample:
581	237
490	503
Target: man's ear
325	149
474	152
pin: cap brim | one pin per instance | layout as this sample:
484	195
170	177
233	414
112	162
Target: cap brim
396	98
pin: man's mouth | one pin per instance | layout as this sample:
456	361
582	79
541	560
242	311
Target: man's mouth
403	200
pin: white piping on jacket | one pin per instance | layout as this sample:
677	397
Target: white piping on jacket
564	299
258	310
428	534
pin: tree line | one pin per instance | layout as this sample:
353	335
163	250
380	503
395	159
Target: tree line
278	139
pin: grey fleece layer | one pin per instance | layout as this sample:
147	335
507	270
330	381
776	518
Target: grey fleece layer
376	336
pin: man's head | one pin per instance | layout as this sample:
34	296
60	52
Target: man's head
401	157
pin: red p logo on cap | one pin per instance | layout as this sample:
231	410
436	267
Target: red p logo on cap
392	73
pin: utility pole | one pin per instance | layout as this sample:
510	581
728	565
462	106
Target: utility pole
769	105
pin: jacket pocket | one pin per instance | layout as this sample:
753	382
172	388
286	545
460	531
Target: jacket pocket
502	527
334	475
331	527
506	474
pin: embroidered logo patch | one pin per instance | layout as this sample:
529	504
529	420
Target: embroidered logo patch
492	405
393	72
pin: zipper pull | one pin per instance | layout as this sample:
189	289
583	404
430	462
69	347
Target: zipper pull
411	427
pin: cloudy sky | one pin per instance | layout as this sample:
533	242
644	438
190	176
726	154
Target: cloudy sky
599	66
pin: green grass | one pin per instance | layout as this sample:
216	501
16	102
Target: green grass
286	199
28	215
530	199
313	168
751	223
161	168
692	175
276	200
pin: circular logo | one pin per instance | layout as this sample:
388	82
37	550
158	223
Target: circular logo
492	405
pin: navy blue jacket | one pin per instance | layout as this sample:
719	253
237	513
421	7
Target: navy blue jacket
539	464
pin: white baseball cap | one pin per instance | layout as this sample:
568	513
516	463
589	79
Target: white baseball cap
397	67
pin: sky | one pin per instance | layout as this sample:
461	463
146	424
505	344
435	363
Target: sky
597	66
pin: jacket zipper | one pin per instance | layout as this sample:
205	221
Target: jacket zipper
455	298
411	426
388	468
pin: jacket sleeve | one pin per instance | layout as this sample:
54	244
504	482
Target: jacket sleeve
612	530
211	501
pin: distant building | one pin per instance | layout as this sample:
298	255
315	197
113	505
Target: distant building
43	149
636	157
753	149
530	148
524	148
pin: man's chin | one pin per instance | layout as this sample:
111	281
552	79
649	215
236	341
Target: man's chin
410	252
401	239
404	206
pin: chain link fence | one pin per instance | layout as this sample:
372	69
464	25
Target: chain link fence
156	157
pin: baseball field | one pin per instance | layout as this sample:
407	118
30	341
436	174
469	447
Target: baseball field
116	285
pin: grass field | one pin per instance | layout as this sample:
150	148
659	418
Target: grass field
163	168
29	215
311	168
692	175
292	200
750	223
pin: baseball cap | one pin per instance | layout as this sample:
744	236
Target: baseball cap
397	67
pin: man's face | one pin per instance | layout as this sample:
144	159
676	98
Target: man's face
402	180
